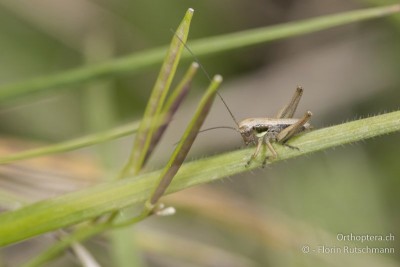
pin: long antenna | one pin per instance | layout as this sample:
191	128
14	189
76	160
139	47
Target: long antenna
219	127
207	75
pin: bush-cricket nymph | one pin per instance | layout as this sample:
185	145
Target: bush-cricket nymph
280	129
264	131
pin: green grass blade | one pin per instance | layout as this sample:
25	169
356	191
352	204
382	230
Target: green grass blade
183	147
172	105
69	145
69	209
148	126
286	30
142	60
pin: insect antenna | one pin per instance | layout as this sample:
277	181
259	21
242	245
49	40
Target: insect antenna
219	127
213	128
209	78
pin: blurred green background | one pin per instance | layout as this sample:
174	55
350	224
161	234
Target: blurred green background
263	218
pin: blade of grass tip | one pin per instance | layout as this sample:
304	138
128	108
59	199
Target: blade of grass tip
69	145
157	98
186	142
172	105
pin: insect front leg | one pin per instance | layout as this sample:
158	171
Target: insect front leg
260	142
263	139
272	149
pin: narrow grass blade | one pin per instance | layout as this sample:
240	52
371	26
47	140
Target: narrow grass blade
69	145
156	102
69	209
143	60
183	147
172	105
246	38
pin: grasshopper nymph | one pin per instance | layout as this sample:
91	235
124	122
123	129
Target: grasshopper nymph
279	129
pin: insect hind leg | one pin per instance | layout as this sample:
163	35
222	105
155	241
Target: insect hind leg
289	110
293	129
